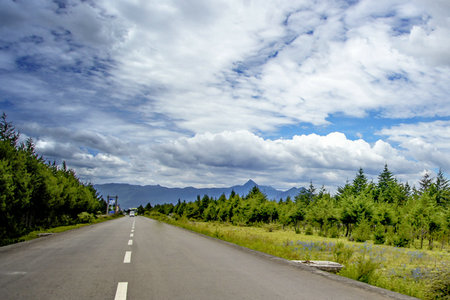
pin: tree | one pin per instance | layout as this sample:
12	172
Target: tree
355	209
442	189
140	210
425	182
344	191
148	207
388	189
420	215
8	131
360	182
323	213
385	179
311	191
35	194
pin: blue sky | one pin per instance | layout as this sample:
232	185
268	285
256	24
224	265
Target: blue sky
212	93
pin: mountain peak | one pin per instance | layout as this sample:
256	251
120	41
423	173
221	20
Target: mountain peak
250	183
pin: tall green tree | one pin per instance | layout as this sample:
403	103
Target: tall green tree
442	189
34	194
360	182
425	183
8	131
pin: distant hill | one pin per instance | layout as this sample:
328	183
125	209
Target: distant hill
135	195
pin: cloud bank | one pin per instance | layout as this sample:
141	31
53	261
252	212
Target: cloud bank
200	93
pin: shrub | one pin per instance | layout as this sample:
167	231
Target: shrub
440	285
364	269
333	232
342	253
309	230
65	220
85	217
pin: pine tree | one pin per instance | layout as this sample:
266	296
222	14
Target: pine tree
385	179
311	191
442	189
425	182
360	182
8	131
388	189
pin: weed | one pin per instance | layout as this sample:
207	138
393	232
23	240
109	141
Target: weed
363	269
341	253
439	287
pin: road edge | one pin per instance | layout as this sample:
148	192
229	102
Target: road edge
19	245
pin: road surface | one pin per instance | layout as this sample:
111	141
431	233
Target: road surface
139	258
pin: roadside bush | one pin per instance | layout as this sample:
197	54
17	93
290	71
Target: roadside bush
85	217
342	254
440	285
65	220
363	269
366	269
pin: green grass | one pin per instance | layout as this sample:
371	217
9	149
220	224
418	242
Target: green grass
405	270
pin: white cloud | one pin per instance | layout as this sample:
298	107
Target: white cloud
428	142
258	66
329	159
185	92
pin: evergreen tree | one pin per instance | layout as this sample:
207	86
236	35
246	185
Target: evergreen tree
35	194
344	191
140	210
388	190
360	182
311	191
8	131
442	188
148	207
425	182
385	179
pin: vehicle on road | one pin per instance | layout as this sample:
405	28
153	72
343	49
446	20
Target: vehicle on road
132	213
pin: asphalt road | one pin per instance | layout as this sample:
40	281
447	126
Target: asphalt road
139	258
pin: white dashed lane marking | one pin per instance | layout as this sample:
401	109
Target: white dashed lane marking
127	258
122	287
121	292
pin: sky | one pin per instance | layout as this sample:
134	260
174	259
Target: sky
212	93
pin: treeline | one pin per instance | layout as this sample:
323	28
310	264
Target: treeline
387	212
35	194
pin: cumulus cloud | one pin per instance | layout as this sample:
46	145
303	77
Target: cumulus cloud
325	159
273	63
428	142
188	92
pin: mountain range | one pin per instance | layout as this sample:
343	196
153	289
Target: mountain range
135	195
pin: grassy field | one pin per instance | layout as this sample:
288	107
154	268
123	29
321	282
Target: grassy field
423	274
